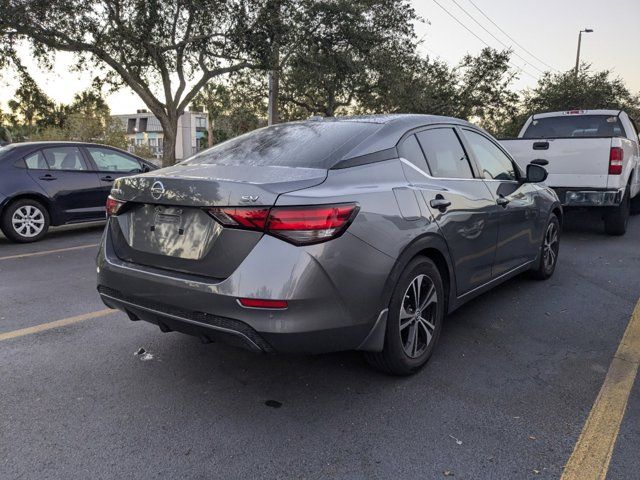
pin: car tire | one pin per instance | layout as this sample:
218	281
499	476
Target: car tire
25	221
549	250
615	221
412	333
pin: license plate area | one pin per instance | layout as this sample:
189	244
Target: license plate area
182	232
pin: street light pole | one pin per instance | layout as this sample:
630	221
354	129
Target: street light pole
586	30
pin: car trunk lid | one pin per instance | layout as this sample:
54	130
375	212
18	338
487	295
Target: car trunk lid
165	223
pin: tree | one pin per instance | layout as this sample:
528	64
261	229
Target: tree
485	92
566	91
178	45
333	52
234	106
29	104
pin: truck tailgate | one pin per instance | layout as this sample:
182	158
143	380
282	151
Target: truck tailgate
573	162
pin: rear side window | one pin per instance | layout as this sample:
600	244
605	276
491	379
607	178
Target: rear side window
304	144
445	155
410	150
493	163
36	161
575	126
64	158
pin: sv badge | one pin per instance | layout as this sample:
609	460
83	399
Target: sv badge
249	198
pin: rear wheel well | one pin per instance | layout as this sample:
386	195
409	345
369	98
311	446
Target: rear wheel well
439	259
37	198
558	213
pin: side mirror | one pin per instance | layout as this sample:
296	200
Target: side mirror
540	161
536	173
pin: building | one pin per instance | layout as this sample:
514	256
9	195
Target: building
144	130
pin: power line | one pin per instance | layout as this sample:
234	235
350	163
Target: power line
511	38
496	38
478	37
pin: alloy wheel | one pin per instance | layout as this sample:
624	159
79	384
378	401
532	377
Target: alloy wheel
550	246
28	221
417	316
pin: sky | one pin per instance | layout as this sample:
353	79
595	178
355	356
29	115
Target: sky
546	29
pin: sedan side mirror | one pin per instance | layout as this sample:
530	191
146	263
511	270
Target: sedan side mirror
536	173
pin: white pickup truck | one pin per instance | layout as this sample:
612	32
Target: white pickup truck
593	159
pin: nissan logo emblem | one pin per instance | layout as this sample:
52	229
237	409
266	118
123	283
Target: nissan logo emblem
157	190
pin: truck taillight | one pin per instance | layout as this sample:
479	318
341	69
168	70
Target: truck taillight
616	156
113	206
300	225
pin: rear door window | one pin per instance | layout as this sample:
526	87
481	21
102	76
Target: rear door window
303	144
445	156
36	161
575	126
410	150
108	160
64	158
493	163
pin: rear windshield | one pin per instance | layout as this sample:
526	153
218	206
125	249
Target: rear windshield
575	126
306	144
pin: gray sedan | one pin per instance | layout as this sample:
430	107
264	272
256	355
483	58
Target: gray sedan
356	233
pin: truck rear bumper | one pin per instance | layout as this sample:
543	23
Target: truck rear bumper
580	197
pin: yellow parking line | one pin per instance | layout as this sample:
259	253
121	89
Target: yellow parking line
592	453
46	252
58	323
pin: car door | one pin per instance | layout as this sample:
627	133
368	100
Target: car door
69	183
520	225
435	162
111	164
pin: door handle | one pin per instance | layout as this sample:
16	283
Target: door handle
502	201
440	203
541	145
48	177
107	178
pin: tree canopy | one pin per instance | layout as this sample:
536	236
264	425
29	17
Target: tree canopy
177	46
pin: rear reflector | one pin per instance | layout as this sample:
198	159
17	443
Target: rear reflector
259	303
113	206
616	157
300	225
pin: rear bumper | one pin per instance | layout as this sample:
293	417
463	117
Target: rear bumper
585	197
320	317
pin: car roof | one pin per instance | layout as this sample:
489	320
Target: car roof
392	128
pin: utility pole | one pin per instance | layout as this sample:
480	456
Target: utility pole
586	30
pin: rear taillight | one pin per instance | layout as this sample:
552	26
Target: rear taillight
301	225
616	156
241	217
260	303
307	225
113	206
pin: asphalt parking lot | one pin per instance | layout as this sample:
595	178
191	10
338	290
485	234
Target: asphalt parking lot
506	395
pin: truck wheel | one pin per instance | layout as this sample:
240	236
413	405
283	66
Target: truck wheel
615	222
25	221
414	322
548	250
